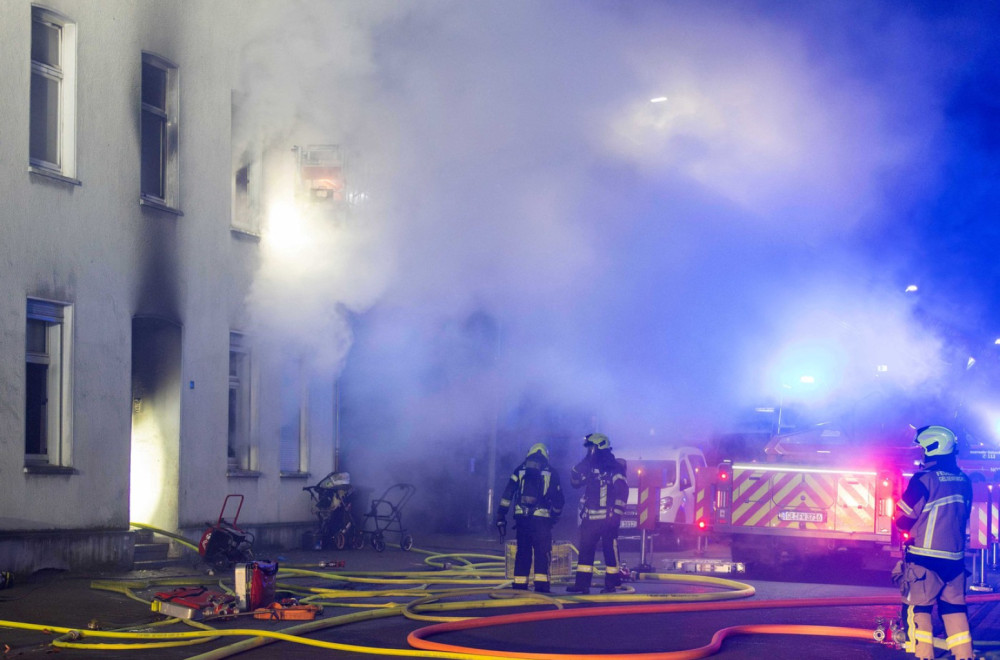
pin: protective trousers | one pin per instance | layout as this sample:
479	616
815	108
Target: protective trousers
922	589
592	531
534	541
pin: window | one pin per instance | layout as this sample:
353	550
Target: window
293	416
241	455
52	123
246	192
158	175
46	400
685	476
247	167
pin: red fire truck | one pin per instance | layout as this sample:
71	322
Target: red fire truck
816	493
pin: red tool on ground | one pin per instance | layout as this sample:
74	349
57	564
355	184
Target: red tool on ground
224	544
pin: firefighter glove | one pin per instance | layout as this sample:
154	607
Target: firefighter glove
501	524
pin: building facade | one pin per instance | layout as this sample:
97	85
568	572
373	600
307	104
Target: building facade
131	384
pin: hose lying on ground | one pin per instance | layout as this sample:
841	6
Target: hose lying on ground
490	581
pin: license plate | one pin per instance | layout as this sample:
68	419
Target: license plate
802	516
629	524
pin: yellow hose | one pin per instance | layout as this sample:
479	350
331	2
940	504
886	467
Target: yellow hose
177	537
423	603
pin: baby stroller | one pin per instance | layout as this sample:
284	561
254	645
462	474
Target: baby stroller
330	502
385	515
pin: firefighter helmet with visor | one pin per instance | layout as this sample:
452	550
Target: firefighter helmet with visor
936	440
598	440
539	447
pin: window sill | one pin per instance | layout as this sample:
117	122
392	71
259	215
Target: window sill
46	468
247	234
159	205
295	475
238	473
56	176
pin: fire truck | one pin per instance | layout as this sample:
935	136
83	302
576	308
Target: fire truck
815	493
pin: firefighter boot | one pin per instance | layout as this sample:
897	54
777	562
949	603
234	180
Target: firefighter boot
583	579
959	639
612	580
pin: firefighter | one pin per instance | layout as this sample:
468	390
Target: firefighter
934	511
538	501
602	477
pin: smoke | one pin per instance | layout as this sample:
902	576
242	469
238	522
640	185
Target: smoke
540	236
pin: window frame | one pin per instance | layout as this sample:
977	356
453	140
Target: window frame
241	450
57	420
64	74
293	445
246	216
166	197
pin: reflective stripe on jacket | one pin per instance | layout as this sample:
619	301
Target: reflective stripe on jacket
605	491
934	509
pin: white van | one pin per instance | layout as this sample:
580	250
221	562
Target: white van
677	467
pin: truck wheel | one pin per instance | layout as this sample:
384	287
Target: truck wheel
745	552
669	541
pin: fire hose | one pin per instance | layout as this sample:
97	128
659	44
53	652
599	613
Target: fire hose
459	569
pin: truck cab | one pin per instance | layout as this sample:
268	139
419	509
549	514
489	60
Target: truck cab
662	483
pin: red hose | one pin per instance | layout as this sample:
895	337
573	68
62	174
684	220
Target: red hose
418	638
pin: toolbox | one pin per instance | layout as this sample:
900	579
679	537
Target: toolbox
194	603
288	609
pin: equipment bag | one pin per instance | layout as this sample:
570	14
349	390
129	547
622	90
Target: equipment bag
254	582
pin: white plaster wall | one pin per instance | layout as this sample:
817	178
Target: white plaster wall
92	245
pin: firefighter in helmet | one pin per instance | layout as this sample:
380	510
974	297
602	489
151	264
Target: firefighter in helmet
934	511
535	492
605	491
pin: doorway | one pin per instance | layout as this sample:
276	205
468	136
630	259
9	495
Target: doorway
156	418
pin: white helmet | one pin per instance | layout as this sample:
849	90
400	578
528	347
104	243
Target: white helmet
936	440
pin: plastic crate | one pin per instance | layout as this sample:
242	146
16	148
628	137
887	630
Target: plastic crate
560	566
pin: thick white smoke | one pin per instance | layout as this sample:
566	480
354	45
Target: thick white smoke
541	235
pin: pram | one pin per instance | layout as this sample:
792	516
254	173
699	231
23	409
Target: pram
331	503
385	515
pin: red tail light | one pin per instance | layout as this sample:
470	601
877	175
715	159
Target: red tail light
702	524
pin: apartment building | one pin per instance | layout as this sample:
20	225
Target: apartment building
131	384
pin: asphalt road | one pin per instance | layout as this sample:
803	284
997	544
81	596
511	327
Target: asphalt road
52	598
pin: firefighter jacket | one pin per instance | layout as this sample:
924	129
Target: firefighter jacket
605	488
935	509
534	490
